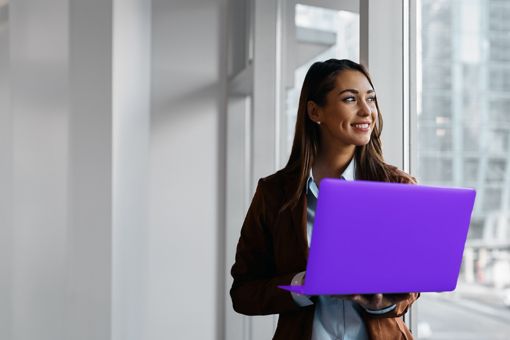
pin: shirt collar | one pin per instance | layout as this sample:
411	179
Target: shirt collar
349	172
348	175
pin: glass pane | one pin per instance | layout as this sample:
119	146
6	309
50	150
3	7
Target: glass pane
499	110
500	78
321	34
498	142
435	137
471	170
436	170
464	140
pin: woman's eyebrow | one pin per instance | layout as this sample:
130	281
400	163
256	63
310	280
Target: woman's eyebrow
355	91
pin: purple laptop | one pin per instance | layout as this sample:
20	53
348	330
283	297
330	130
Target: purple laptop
373	237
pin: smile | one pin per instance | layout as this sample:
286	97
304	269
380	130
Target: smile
361	126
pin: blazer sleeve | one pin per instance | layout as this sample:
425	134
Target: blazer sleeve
399	311
254	290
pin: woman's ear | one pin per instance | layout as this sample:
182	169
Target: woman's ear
312	110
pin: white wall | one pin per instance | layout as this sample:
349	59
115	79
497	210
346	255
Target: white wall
187	169
89	235
108	163
84	263
5	178
131	119
74	126
38	108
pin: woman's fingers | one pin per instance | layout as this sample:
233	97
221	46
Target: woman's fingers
363	300
394	298
379	301
371	301
343	297
375	301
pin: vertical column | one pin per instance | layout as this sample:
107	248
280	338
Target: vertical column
131	118
457	88
38	50
74	131
90	170
469	265
265	127
238	148
484	117
264	119
5	177
238	137
187	169
382	51
108	159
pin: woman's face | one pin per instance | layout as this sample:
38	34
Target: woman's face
350	112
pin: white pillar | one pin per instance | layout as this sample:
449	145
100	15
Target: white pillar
5	177
109	134
265	122
265	78
187	171
38	45
238	137
74	132
131	120
90	170
382	25
469	265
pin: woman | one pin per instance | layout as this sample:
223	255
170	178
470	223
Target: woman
337	135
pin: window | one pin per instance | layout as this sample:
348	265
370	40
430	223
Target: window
499	110
437	105
499	48
499	78
497	169
463	139
498	143
436	170
321	34
435	137
471	170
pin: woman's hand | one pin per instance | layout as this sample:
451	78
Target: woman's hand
375	301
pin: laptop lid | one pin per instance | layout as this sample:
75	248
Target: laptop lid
374	237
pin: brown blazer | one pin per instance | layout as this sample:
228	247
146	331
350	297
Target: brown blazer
272	249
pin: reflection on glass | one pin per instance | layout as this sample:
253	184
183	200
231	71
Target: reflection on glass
464	140
321	34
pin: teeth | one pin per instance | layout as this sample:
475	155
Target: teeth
361	126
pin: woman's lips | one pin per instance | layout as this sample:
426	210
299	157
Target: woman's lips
362	127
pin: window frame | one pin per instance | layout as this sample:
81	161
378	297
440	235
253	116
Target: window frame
388	47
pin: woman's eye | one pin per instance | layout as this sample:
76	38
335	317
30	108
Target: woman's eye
349	99
371	99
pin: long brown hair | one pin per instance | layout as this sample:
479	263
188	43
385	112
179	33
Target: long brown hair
319	81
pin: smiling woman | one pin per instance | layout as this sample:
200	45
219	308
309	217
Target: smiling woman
337	135
339	94
349	113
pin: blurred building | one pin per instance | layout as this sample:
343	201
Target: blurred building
464	121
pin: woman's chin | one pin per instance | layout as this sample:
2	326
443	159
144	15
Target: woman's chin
362	142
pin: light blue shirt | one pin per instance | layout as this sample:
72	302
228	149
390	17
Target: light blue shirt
334	318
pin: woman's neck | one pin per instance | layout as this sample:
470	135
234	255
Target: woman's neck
331	163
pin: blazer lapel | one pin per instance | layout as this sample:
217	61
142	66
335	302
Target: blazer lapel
298	215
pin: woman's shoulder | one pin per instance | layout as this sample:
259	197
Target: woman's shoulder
277	187
278	179
273	191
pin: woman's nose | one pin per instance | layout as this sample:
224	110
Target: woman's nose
364	109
